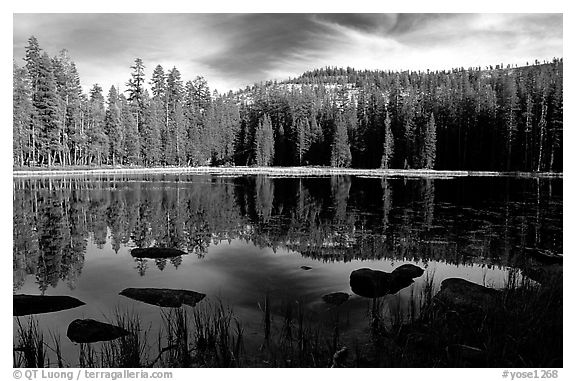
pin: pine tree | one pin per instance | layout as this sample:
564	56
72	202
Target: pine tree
510	108
21	115
136	87
32	58
97	140
176	146
131	135
158	83
136	97
303	139
74	128
46	106
151	138
114	128
264	142
388	149
428	154
33	54
340	155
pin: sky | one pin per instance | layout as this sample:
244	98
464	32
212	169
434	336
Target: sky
235	50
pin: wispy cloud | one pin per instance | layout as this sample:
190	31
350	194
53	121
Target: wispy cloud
234	50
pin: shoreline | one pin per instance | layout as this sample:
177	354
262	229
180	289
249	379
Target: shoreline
280	171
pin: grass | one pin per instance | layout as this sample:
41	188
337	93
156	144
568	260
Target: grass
523	330
30	349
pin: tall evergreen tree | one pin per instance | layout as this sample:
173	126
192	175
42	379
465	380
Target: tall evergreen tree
136	91
264	142
21	116
388	149
114	128
340	150
130	131
429	144
97	149
151	137
48	117
176	149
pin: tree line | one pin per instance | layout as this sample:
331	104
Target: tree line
502	119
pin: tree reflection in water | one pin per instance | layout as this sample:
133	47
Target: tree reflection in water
490	221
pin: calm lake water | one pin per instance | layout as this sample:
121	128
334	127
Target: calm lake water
248	236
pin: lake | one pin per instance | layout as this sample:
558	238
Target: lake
252	241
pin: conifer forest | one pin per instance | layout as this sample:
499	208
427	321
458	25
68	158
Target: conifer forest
496	118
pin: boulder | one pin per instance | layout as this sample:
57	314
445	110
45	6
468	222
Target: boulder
408	271
91	331
156	252
374	283
164	297
336	298
369	283
461	294
39	304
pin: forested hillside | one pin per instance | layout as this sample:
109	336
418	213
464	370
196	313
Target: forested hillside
496	118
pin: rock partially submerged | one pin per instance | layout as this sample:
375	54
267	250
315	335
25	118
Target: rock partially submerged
91	331
463	295
164	297
374	283
39	304
408	270
336	298
156	252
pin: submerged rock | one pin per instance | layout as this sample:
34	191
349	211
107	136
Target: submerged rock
336	298
156	252
91	331
164	297
39	304
464	295
374	283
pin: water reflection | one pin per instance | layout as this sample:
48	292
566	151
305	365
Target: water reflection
493	221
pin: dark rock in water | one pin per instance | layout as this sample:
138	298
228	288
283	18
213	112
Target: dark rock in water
91	331
464	295
369	283
408	271
336	298
39	304
306	267
156	252
374	283
164	297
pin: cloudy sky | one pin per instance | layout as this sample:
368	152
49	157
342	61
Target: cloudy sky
235	50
